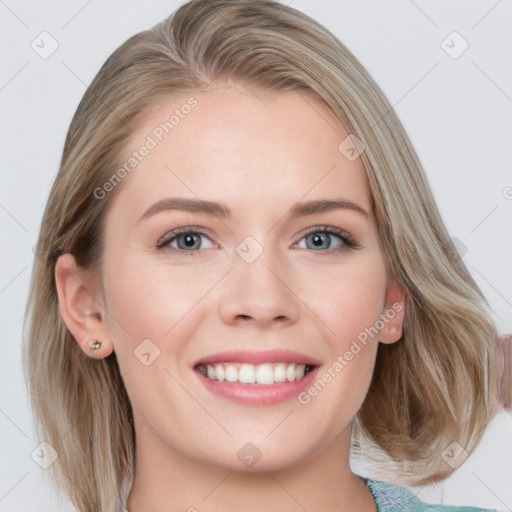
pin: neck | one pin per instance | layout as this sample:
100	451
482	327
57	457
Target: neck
166	479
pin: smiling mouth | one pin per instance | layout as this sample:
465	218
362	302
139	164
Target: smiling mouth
245	373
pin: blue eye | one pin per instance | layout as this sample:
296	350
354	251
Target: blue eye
319	239
187	239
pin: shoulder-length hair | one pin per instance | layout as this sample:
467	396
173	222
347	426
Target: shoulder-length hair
435	386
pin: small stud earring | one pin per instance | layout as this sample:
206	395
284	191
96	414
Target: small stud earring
95	344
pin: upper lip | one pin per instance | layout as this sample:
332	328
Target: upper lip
259	357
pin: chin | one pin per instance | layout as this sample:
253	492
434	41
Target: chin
261	456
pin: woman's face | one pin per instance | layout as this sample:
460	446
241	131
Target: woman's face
288	270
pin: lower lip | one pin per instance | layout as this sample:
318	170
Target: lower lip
258	394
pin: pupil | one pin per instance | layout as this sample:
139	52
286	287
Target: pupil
188	240
317	240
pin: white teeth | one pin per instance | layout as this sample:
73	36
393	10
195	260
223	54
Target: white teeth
247	374
219	372
280	373
231	374
267	373
290	373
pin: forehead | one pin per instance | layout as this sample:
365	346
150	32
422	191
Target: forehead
241	146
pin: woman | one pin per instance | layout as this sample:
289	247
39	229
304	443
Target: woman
243	271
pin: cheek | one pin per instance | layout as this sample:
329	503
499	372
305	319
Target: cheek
351	306
351	300
350	310
151	301
142	305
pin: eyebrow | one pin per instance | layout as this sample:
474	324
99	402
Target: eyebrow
221	210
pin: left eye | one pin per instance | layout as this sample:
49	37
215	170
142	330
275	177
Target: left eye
189	239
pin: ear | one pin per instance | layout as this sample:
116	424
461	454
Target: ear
393	313
81	306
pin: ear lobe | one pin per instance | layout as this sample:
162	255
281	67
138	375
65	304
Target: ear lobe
393	314
80	306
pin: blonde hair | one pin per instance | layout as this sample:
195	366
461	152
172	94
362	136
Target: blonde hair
436	385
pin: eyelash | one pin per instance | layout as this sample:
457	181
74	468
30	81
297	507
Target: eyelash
348	241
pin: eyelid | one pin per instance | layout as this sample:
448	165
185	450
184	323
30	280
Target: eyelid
329	229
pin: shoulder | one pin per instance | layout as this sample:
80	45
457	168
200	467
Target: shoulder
391	497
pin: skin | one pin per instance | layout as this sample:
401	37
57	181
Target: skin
259	153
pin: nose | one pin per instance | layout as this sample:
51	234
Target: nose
259	293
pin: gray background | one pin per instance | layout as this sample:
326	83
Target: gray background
456	108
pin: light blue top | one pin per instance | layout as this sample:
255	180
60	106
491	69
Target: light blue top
392	498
